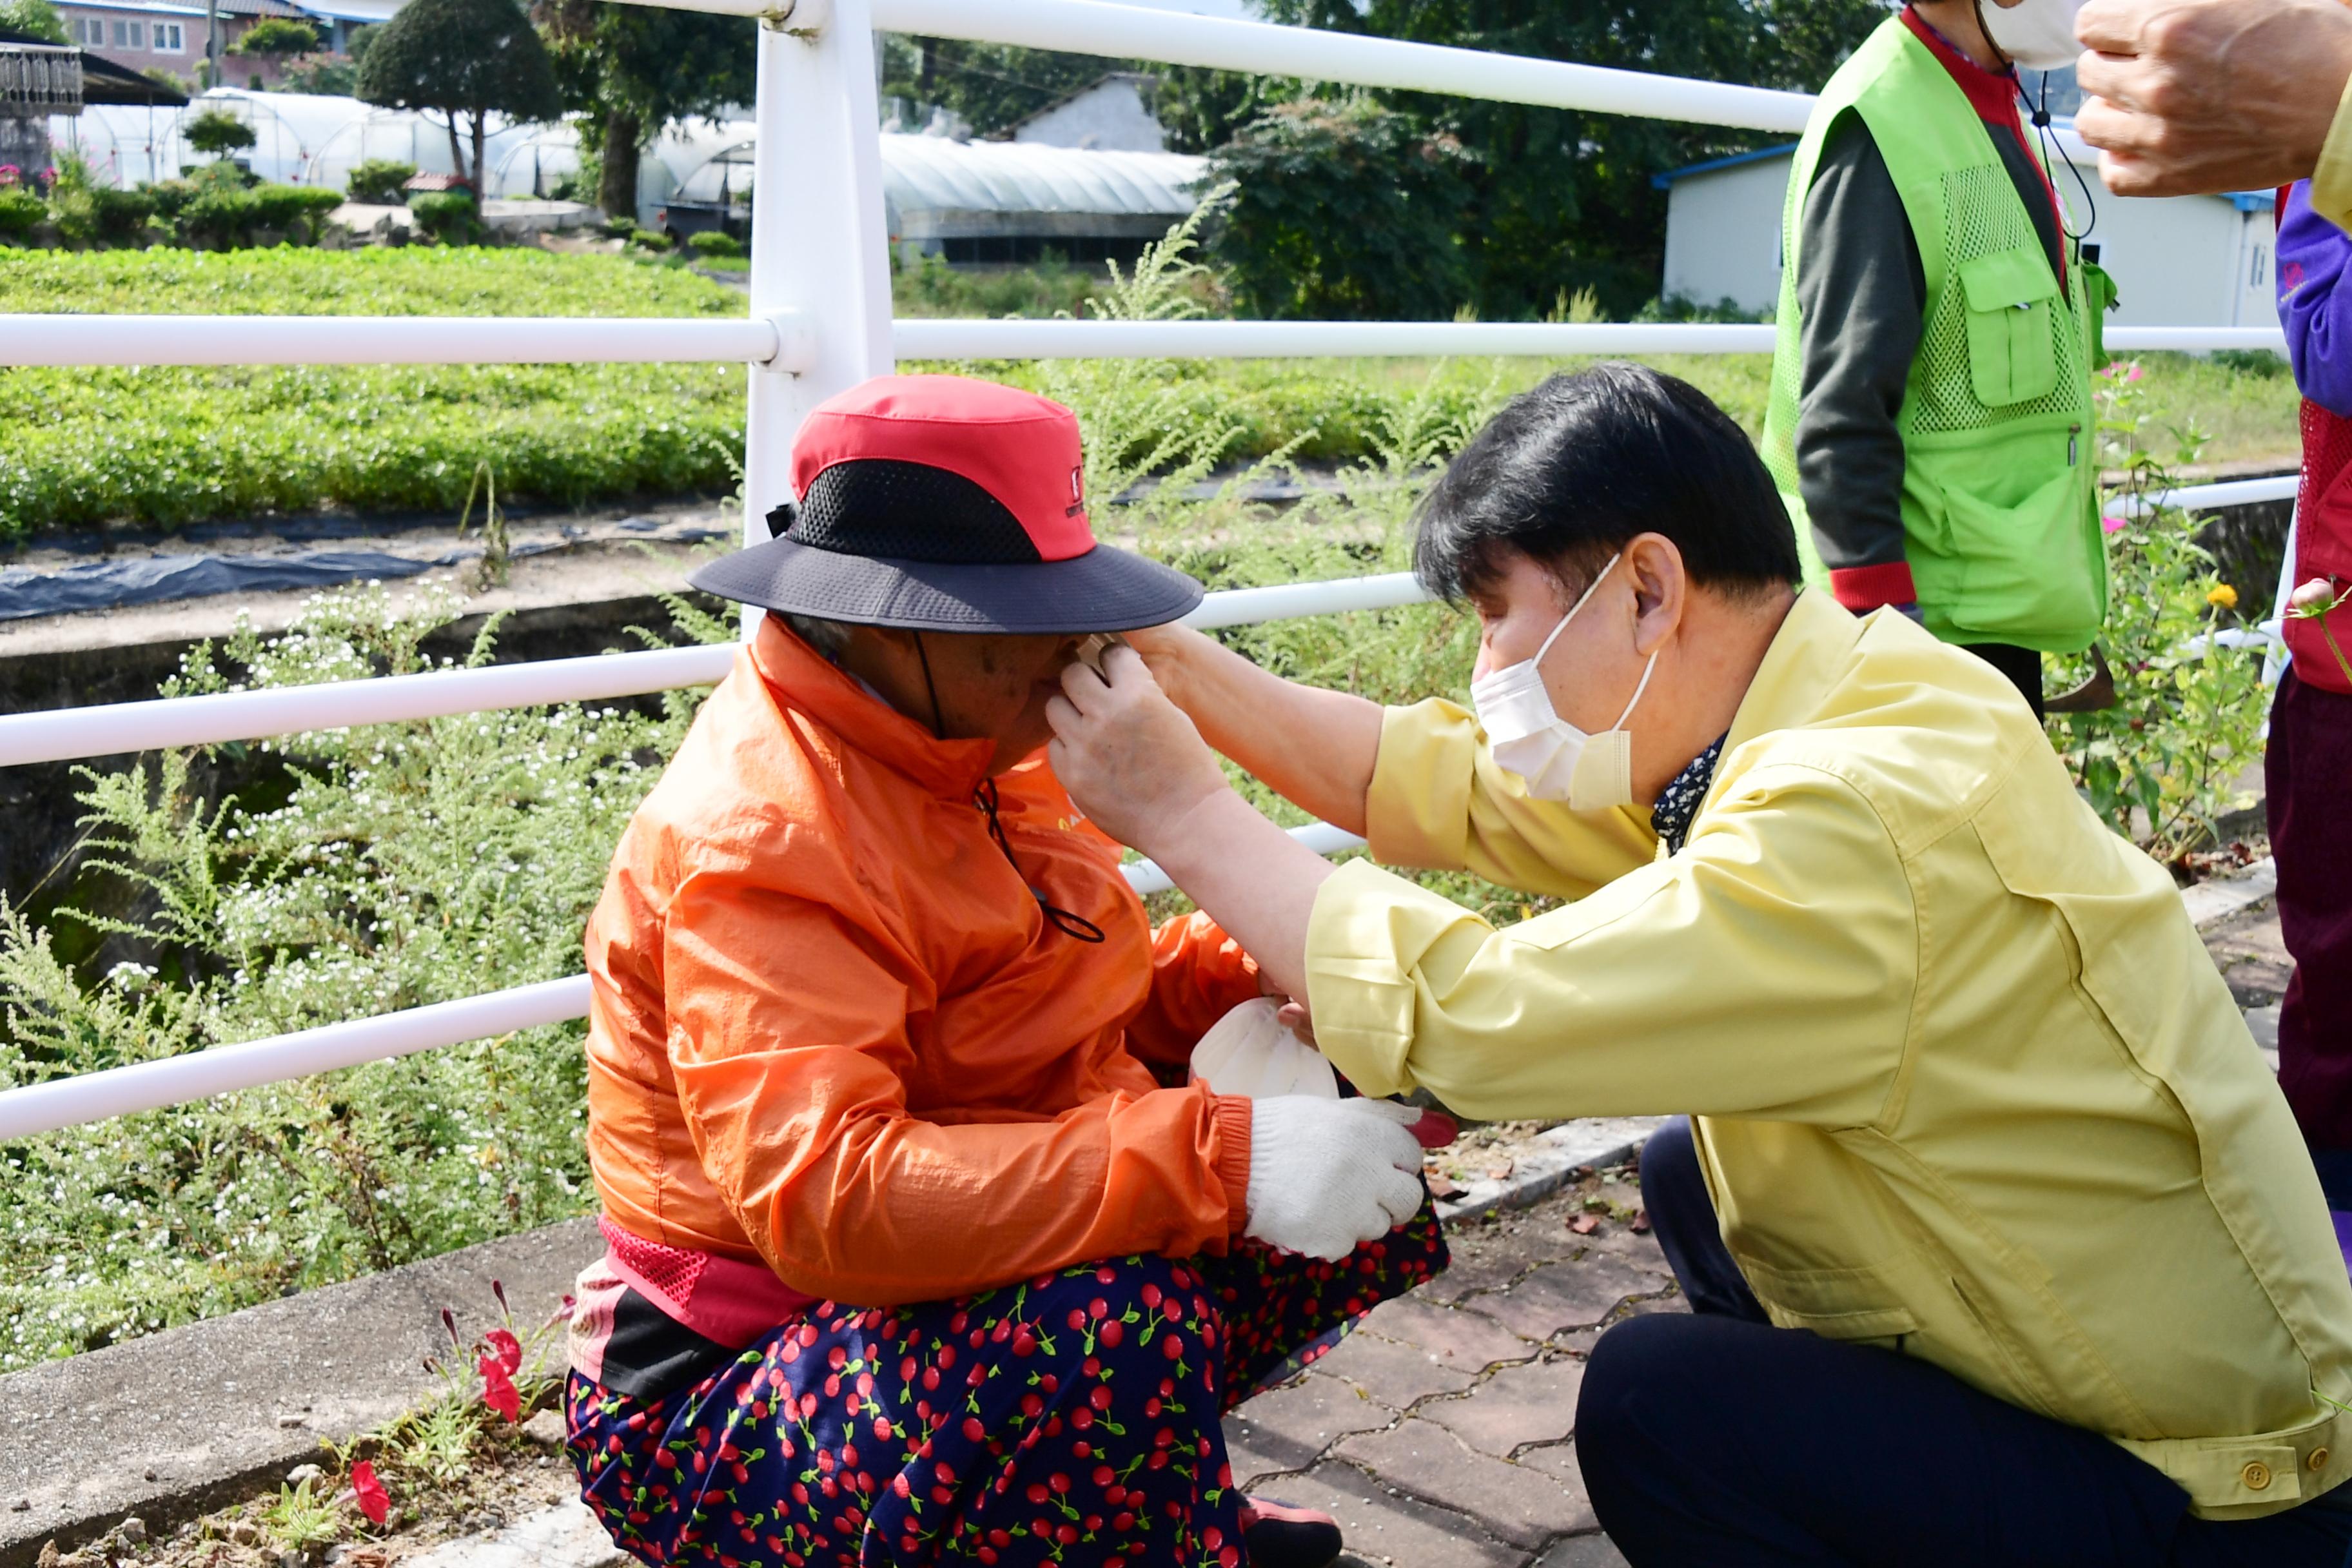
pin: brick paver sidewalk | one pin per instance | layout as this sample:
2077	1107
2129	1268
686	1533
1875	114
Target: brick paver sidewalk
1441	1432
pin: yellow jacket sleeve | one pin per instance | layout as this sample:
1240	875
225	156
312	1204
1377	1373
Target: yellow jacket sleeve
2331	181
1766	970
1440	802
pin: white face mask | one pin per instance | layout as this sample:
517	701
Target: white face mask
1528	736
2036	34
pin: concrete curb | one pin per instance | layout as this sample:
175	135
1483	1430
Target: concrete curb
176	1423
565	1536
1588	1141
2210	903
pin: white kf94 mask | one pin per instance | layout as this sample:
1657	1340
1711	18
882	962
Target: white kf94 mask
2036	34
1559	761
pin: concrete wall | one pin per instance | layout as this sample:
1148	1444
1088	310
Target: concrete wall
2189	262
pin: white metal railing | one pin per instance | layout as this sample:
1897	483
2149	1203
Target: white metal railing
783	343
384	340
820	321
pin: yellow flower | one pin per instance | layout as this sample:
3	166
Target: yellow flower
2223	595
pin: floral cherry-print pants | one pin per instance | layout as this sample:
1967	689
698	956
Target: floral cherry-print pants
1071	1418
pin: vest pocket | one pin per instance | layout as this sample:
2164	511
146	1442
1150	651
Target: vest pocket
2023	570
2011	355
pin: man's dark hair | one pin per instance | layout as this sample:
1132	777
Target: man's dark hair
1568	472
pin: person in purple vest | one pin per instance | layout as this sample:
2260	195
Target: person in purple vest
2310	758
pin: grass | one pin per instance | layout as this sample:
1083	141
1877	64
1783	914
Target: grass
164	447
167	447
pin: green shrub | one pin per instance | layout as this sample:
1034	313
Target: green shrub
220	216
171	198
449	216
715	244
100	214
380	181
2162	765
293	208
277	35
2265	363
21	211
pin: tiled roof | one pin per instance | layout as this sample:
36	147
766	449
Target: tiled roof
184	7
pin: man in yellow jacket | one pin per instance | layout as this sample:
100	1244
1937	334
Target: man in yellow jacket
2013	1254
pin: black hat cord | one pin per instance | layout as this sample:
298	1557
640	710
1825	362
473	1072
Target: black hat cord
983	796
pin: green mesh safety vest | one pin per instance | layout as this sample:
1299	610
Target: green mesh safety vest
2000	485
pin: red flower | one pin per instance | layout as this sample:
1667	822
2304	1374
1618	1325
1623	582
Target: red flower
373	1500
499	1391
508	1350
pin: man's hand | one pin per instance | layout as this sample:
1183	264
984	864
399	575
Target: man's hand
1129	758
2190	96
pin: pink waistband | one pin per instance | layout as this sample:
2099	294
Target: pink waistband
721	1299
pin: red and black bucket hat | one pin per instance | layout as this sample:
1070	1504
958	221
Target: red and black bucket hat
940	503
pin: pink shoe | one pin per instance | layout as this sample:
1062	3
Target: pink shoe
1276	1535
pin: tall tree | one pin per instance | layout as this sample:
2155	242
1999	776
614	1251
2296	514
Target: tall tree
1559	200
1344	210
629	72
464	60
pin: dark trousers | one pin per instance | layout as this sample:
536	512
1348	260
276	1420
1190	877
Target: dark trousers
2308	776
2022	665
1720	1441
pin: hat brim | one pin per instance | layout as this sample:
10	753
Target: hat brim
1104	590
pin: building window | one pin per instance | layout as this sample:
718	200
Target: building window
170	39
89	32
130	35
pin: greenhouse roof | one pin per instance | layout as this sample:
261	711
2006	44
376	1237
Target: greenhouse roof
931	173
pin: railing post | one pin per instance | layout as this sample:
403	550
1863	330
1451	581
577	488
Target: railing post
818	245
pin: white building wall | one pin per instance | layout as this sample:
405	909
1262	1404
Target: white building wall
2184	261
1723	234
1108	117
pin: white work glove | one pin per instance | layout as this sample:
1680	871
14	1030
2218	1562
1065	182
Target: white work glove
1327	1176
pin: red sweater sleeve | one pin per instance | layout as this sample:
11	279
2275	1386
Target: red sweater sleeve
789	1047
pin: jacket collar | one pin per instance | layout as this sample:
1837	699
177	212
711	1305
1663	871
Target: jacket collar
1808	656
1992	94
805	682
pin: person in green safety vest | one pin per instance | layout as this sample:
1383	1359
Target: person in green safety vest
1930	422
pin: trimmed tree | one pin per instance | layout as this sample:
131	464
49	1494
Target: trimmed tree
216	132
463	59
276	37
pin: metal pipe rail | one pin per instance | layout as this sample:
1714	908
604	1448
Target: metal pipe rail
65	734
779	345
62	1102
386	339
820	310
1264	48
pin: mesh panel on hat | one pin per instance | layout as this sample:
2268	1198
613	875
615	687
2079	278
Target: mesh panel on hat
908	512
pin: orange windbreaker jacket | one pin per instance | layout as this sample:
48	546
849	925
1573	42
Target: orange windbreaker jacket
832	1030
